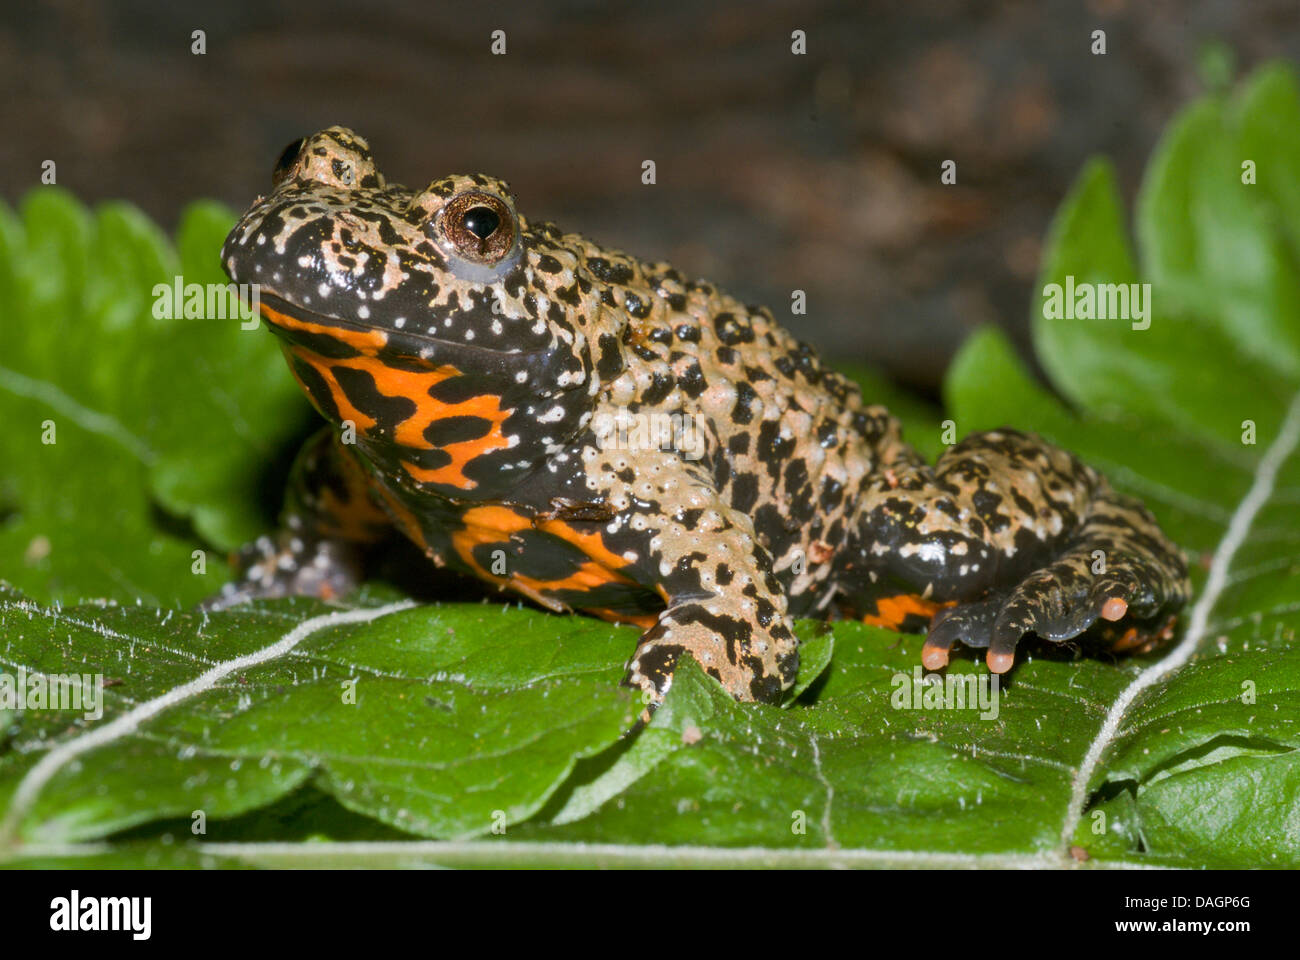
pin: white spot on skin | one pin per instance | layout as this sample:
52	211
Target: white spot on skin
929	552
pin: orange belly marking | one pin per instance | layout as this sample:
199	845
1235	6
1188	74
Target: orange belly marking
892	612
414	385
495	524
643	620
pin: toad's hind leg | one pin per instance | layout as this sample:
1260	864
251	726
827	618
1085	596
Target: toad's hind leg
327	520
1118	569
1026	539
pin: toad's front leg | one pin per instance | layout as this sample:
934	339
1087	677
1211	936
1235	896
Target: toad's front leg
328	519
724	605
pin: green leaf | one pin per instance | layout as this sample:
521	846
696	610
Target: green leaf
440	721
137	855
610	774
864	768
1211	243
123	431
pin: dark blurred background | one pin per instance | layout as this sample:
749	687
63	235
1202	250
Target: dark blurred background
775	171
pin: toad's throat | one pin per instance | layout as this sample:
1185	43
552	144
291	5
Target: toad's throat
341	370
298	323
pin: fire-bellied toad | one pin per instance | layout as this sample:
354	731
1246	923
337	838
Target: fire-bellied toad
501	379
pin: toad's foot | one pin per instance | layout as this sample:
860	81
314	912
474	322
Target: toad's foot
752	662
1118	582
290	564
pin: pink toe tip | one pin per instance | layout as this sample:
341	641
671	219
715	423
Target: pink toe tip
1114	608
934	658
1000	662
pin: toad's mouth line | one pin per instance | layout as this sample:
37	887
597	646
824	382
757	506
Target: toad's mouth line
291	318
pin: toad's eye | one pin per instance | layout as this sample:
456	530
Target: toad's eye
476	226
287	159
481	221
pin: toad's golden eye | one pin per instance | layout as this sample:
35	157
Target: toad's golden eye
479	226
